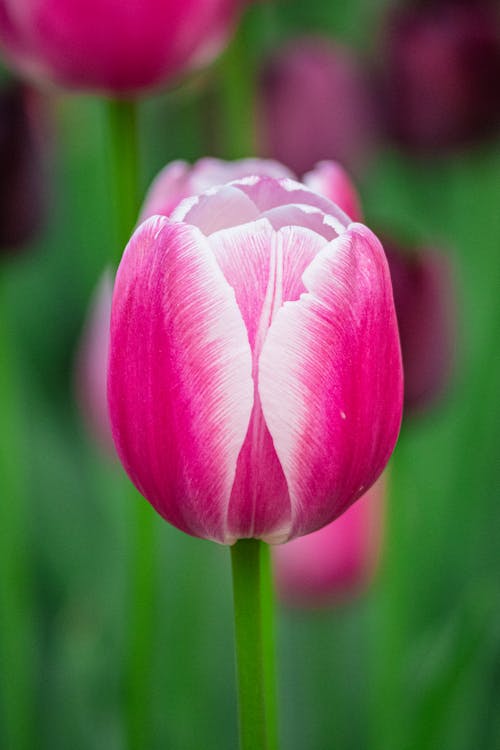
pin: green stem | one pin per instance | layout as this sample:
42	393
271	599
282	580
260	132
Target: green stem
257	709
269	644
122	116
17	622
237	96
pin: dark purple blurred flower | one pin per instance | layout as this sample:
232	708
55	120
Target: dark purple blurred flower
315	105
423	294
22	170
440	74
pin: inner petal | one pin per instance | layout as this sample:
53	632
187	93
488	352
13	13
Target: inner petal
304	216
265	269
217	209
266	193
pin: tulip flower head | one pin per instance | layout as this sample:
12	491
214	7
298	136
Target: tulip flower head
112	46
255	380
337	561
315	104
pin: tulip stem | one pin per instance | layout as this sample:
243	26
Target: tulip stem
124	146
254	645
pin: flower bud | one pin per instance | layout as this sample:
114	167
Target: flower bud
255	382
112	46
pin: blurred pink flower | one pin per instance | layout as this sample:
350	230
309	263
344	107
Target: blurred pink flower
441	67
423	288
92	364
337	561
255	383
112	46
315	104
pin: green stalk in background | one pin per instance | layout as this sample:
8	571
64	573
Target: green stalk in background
254	655
17	616
236	96
138	651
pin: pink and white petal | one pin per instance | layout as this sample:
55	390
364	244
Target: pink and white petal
261	264
180	385
331	180
267	193
167	190
218	208
330	380
264	267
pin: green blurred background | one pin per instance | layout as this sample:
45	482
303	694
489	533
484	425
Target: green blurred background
413	663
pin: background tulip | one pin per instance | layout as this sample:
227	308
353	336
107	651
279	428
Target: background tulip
255	378
315	104
22	170
92	364
112	46
423	294
336	561
441	72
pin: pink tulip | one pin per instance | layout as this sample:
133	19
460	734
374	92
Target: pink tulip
423	294
338	560
91	364
113	46
315	104
255	381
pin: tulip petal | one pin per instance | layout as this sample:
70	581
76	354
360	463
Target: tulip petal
330	380
168	188
330	179
180	382
218	208
265	268
303	216
266	193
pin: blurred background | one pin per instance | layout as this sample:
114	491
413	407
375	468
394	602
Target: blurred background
406	96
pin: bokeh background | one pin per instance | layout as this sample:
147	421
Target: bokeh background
411	663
